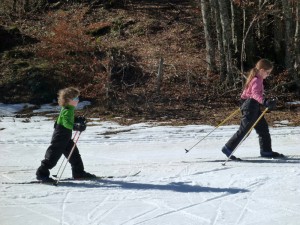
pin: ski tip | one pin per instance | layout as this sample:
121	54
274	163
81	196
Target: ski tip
186	151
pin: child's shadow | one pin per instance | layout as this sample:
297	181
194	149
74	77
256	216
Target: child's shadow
183	187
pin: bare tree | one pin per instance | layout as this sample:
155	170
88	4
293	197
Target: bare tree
287	13
252	29
291	49
26	5
222	59
210	48
14	7
233	31
226	35
297	39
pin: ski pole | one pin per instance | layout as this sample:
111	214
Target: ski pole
224	121
71	152
246	135
64	158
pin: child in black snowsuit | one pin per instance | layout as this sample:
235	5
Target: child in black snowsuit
61	142
251	98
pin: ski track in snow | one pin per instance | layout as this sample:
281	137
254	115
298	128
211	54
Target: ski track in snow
63	206
181	210
244	208
173	187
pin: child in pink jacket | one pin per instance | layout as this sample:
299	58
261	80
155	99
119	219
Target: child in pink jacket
252	98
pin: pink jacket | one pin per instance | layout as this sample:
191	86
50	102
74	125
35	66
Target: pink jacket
255	90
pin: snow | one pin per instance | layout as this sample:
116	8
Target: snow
293	103
10	109
173	187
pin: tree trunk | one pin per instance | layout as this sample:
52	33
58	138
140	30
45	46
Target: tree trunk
243	53
244	38
210	48
278	37
159	76
216	12
26	6
297	39
14	7
233	32
291	53
286	7
226	35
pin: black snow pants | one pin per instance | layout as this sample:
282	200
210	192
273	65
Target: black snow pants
61	143
250	109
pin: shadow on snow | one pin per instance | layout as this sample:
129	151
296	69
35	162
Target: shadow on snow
183	187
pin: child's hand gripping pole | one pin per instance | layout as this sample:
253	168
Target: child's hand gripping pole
246	135
224	121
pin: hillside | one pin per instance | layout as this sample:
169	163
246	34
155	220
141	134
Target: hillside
112	54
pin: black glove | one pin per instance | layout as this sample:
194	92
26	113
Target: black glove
270	103
79	123
80	119
79	127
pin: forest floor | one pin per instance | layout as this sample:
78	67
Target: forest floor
80	44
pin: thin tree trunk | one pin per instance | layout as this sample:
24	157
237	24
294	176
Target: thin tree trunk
247	30
14	7
210	48
26	6
159	75
297	39
245	35
215	8
233	32
243	53
226	38
109	75
286	7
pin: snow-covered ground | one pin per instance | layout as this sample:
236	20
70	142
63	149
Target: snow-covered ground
174	187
